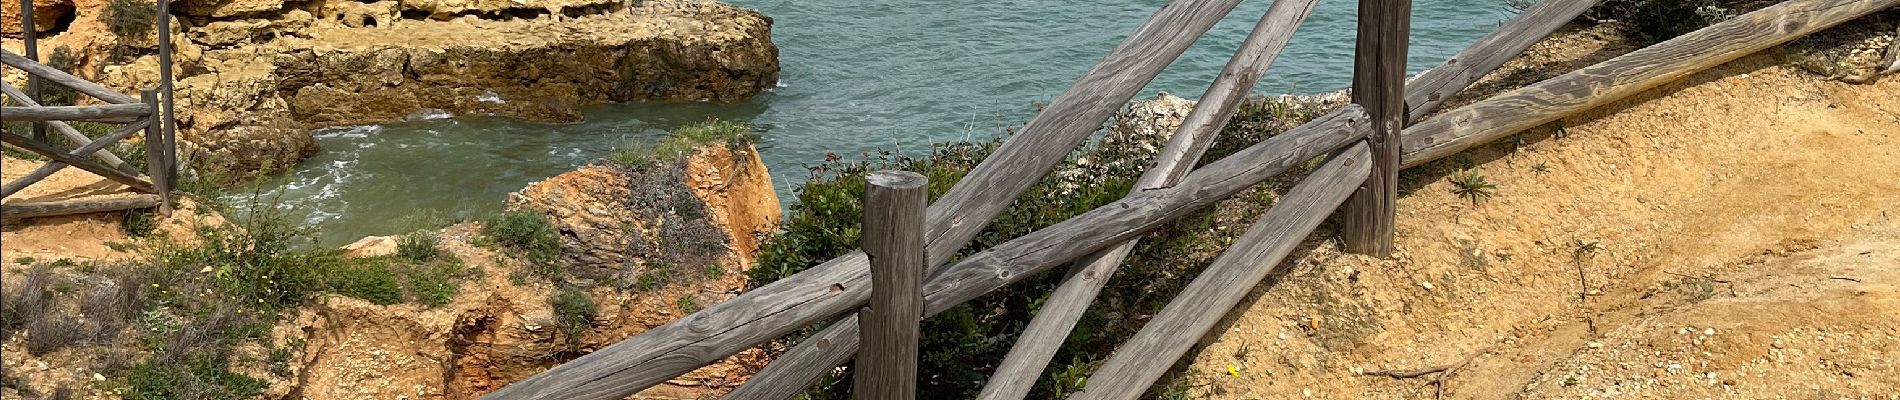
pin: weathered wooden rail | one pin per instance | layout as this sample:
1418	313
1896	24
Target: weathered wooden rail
150	113
1366	143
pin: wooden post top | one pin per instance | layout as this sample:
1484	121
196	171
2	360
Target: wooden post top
895	179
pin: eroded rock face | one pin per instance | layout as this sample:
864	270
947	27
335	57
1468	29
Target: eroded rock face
498	330
46	16
274	70
626	227
495	332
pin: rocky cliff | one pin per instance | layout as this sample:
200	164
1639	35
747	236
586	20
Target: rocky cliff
253	76
627	226
717	201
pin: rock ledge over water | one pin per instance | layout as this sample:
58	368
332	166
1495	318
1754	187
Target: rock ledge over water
254	76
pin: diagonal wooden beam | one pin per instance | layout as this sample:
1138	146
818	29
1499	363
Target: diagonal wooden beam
1629	74
88	165
958	216
1065	306
1429	90
1117	222
67	130
61	77
1165	338
47	170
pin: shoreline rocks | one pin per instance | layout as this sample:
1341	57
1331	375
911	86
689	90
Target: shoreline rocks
253	77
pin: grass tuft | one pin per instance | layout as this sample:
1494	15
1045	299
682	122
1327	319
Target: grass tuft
1472	185
419	246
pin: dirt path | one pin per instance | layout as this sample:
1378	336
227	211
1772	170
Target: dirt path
1709	221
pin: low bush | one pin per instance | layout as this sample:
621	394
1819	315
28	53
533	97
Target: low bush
369	279
419	246
735	136
130	19
197	377
1654	21
573	314
227	284
49	333
29	300
55	94
138	223
529	232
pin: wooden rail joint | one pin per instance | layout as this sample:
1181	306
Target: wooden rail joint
1378	84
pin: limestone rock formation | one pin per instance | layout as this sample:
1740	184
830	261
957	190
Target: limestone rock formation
630	227
499	330
46	16
496	331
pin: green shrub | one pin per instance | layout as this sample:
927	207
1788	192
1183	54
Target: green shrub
138	223
130	18
419	246
370	279
434	283
54	94
687	303
197	377
256	258
394	279
640	156
529	232
573	314
1653	21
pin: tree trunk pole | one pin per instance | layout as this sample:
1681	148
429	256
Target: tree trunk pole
893	238
31	36
165	120
1378	84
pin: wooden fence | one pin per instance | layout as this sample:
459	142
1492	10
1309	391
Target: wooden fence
1364	145
151	113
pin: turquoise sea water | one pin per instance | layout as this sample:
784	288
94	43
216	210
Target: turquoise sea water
857	75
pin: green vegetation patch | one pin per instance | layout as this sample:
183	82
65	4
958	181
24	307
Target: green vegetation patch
573	314
130	19
530	234
172	324
735	136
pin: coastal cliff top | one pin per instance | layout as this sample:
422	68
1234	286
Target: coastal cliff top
687	21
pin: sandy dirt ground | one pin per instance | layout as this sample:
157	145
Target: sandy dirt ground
1732	235
77	237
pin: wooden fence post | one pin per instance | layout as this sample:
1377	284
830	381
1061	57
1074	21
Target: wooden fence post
894	204
31	35
165	86
1378	84
155	152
